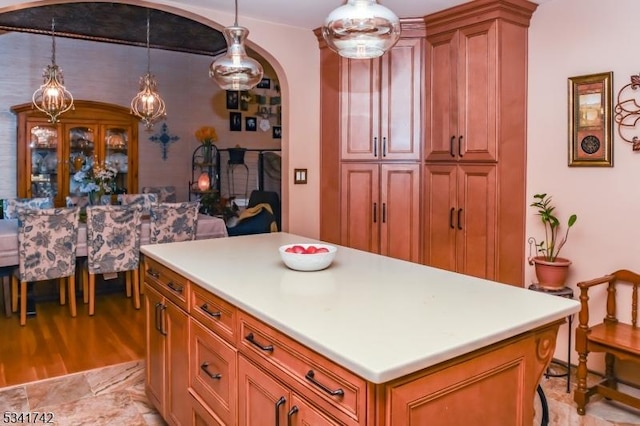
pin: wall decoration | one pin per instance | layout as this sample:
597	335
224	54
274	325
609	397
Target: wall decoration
627	112
245	100
233	99
250	124
164	139
277	132
265	83
235	121
590	125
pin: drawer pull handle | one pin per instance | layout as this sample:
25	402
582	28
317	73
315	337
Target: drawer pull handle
311	377
279	402
175	287
204	367
251	339
153	273
206	310
290	414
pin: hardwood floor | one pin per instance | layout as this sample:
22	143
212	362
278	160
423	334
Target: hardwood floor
53	343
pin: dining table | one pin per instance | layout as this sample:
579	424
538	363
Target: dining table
208	227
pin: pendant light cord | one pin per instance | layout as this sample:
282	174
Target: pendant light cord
53	41
148	48
235	24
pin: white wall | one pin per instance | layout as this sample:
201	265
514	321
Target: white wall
570	38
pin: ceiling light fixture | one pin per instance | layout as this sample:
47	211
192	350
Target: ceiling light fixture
147	104
52	97
361	29
236	70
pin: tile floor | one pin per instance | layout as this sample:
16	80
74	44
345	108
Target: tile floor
115	396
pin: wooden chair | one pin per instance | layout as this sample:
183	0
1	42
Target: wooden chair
617	340
171	222
143	200
113	245
46	250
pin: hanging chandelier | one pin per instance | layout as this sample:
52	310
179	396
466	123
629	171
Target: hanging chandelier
52	97
236	70
361	29
147	104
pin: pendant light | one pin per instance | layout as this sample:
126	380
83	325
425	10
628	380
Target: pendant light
361	29
236	70
147	104
52	97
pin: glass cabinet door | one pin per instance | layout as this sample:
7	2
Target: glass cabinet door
43	173
116	143
82	152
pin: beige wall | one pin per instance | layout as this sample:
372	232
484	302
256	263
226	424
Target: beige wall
570	38
286	48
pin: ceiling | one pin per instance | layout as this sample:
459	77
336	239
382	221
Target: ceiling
126	23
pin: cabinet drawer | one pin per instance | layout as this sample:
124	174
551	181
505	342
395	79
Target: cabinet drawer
332	387
214	313
213	372
173	286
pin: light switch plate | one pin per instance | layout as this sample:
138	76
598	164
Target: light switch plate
299	176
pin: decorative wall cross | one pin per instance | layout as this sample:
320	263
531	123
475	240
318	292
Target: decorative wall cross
164	138
627	112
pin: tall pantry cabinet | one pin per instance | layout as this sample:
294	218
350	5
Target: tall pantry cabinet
475	148
371	147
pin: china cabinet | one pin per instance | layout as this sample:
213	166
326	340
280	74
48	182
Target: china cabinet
49	155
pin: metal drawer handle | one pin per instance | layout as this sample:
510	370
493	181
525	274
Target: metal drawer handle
206	310
290	414
311	377
204	367
451	218
163	307
279	402
251	339
453	138
175	287
153	273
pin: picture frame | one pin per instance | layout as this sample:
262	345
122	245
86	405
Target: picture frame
233	99
235	121
277	132
250	124
590	120
265	83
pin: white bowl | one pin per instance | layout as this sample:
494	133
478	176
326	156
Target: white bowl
307	261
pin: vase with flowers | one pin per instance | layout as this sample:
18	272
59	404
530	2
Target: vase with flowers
96	180
207	136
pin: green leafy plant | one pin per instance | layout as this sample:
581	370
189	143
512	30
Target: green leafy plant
550	247
212	204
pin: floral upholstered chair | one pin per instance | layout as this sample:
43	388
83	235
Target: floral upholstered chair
113	245
80	201
10	206
166	194
143	200
172	222
47	242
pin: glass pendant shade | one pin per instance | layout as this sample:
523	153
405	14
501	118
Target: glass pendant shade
52	97
361	29
236	70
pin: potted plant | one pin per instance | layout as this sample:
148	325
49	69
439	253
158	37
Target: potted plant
551	270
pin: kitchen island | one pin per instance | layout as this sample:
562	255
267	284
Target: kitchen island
234	337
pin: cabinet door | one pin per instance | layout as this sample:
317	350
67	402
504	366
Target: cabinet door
400	211
80	139
262	401
360	206
176	327
440	215
360	109
477	216
116	142
42	171
302	413
401	103
155	357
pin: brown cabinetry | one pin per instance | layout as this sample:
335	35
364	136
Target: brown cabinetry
49	155
381	209
475	147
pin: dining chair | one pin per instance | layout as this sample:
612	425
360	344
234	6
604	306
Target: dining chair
81	201
166	194
10	206
47	241
113	246
171	222
143	200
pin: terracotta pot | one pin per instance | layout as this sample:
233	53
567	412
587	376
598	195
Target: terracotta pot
551	275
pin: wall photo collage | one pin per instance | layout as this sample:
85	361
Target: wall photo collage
261	107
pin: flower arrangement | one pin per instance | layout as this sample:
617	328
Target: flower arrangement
96	178
206	135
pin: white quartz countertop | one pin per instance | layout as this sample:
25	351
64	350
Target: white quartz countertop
379	317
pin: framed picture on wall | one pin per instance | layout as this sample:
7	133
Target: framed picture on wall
277	132
233	99
590	123
235	121
265	83
250	124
